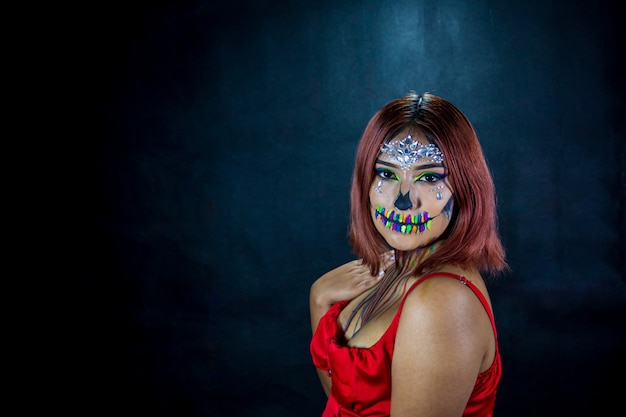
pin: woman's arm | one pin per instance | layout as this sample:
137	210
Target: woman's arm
342	283
443	339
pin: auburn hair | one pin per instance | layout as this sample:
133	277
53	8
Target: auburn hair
471	239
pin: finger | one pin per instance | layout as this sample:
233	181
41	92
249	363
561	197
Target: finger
368	283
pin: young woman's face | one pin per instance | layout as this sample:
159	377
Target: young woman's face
410	200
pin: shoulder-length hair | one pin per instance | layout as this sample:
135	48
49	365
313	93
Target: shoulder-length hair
471	239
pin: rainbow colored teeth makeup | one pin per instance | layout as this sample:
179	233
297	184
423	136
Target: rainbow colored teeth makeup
403	223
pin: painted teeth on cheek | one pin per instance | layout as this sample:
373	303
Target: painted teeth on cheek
402	223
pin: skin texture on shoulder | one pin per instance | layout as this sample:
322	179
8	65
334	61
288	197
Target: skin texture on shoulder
444	340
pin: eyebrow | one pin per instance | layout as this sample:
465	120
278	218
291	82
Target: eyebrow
438	165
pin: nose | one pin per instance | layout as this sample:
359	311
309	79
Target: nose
403	202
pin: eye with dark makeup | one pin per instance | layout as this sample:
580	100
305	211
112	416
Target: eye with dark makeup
386	174
429	177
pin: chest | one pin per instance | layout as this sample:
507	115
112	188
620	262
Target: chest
365	334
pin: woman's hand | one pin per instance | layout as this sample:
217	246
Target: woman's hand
342	283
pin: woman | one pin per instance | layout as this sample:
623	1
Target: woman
408	330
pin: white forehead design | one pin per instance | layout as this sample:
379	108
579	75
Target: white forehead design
408	151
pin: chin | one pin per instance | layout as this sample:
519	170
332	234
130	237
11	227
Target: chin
404	243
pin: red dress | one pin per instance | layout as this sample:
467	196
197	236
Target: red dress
361	377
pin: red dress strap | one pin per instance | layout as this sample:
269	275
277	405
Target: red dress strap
464	281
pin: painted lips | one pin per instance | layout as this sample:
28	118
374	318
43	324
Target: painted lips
403	223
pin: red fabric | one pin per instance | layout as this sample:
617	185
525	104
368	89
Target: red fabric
361	377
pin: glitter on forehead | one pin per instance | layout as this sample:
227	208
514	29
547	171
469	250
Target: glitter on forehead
408	151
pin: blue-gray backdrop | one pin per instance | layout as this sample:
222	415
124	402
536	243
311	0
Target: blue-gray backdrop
220	154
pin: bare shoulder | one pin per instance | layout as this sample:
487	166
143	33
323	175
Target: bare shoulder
444	340
446	299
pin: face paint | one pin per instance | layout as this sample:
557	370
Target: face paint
402	223
408	188
407	223
403	201
447	210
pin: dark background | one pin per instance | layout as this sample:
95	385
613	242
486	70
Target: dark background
219	154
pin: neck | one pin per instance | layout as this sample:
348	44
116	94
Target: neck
392	286
407	260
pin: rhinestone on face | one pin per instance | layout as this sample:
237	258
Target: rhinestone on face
408	151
